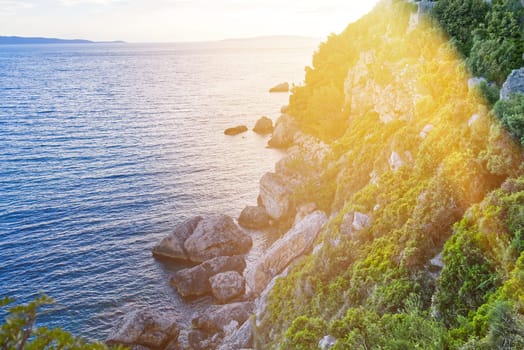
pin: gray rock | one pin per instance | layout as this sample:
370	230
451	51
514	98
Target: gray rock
263	126
227	285
513	84
475	81
294	243
303	211
327	342
218	317
282	87
275	195
239	339
143	328
172	246
395	162
284	132
253	217
235	130
200	340
195	281
216	236
353	222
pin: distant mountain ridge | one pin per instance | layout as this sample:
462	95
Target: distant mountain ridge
13	40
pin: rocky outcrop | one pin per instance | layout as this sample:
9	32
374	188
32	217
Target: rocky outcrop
143	328
282	87
227	285
284	132
514	84
353	222
293	244
216	236
263	126
172	246
218	317
235	130
254	217
241	338
195	281
275	195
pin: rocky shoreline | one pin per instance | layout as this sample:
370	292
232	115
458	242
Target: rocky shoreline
217	246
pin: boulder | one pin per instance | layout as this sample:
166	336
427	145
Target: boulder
172	246
263	126
195	281
275	195
143	328
293	244
282	87
353	222
236	130
303	211
227	285
513	84
327	342
284	132
200	340
214	236
253	217
242	338
217	317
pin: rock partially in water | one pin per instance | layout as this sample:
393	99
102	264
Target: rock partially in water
284	132
172	246
514	84
263	126
254	217
144	328
215	236
217	317
294	243
227	285
195	281
275	195
282	87
235	130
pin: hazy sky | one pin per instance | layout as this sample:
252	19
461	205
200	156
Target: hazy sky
177	20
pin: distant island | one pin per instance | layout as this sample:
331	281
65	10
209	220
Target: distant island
14	40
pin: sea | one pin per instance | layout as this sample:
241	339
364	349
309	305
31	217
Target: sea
105	148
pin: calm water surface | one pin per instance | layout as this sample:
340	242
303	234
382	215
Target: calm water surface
105	148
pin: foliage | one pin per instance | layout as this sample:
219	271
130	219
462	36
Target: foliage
511	114
19	331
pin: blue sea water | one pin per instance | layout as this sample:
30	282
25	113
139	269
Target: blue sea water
105	148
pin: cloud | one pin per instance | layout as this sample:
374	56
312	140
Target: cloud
11	7
93	2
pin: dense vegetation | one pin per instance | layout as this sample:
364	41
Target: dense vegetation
441	265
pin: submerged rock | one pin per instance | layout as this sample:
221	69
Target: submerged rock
143	328
282	87
172	246
263	126
294	243
195	281
214	236
254	217
227	285
236	130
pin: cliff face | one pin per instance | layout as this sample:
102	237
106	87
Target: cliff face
408	253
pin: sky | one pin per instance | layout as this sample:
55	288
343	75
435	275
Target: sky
177	20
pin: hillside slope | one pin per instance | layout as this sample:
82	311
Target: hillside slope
424	244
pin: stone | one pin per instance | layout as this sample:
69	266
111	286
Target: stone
227	285
217	317
144	328
474	82
284	132
437	261
327	342
200	340
395	162
293	244
253	217
235	130
240	338
426	130
195	281
514	84
303	211
353	222
473	119
172	246
216	235
275	195
282	87
263	126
